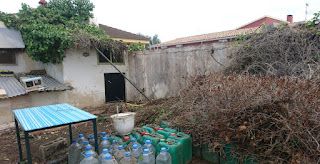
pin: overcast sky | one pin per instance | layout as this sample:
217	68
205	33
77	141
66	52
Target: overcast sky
172	19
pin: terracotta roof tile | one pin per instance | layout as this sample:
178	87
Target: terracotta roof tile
117	33
210	36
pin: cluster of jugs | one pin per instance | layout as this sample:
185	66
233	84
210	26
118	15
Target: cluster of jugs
82	151
179	145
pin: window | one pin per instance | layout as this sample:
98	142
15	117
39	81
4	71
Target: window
114	58
7	57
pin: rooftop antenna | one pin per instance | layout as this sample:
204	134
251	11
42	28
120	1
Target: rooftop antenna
306	11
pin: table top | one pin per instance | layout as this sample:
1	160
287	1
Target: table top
43	117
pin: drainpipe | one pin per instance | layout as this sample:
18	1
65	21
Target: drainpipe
123	74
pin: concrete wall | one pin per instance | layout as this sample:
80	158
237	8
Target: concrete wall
23	64
163	73
33	99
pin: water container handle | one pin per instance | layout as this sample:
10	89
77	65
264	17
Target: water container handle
138	146
143	147
77	139
82	153
124	146
90	136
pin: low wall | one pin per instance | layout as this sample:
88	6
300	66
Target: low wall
163	73
32	99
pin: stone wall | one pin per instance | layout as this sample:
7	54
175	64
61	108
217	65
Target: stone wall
163	73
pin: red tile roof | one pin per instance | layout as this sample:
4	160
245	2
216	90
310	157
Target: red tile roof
210	36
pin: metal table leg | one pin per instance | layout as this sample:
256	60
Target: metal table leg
70	133
18	138
26	137
95	134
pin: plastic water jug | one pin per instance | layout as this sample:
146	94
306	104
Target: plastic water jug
89	159
166	132
103	155
186	142
86	144
147	157
128	159
136	152
89	149
122	140
162	143
105	144
175	150
151	128
154	137
82	139
91	140
74	151
136	133
149	146
164	157
120	153
114	146
130	145
109	160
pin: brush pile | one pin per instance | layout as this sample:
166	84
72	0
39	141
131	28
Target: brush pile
274	119
288	50
267	104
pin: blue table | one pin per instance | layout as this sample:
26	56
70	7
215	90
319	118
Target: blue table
51	116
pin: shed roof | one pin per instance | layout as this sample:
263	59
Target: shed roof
12	86
10	38
49	83
117	33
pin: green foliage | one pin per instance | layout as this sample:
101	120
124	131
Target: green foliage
240	38
46	42
314	22
48	32
136	47
152	40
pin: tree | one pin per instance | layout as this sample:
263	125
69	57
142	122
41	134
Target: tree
155	40
152	40
48	32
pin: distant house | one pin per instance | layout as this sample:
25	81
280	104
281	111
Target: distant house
223	36
126	37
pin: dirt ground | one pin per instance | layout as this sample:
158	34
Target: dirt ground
9	152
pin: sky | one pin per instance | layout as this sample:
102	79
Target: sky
172	19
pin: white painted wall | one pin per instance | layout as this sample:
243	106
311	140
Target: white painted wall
86	77
23	64
55	71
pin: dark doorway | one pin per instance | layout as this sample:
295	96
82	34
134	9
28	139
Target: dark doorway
114	87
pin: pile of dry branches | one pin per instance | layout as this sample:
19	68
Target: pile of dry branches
285	50
270	109
274	119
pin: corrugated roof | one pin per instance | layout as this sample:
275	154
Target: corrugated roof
10	38
210	36
117	33
12	86
49	83
48	116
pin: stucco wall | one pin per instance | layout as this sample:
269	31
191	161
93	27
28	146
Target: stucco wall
23	64
163	73
55	71
86	76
